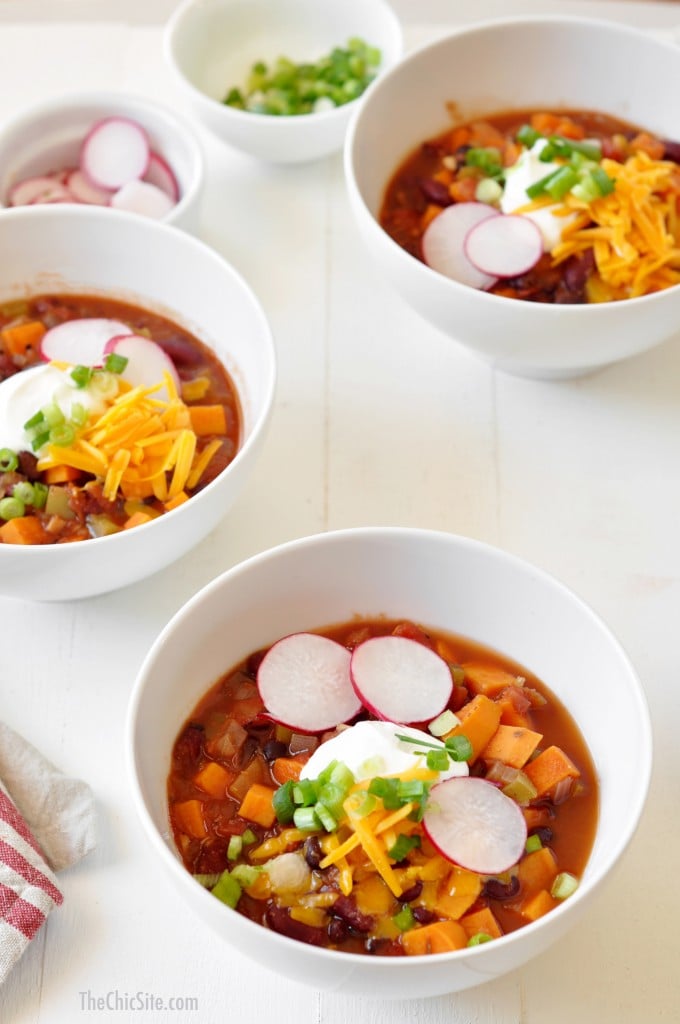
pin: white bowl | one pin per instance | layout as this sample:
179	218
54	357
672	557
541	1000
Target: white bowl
441	581
211	46
85	250
539	63
47	136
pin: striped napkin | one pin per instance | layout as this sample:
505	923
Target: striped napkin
46	823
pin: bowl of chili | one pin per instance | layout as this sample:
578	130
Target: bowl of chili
137	372
306	820
518	183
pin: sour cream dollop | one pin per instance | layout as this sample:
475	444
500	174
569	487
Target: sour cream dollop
25	393
371	749
526	172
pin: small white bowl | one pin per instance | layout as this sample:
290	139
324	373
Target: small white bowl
441	581
211	46
86	250
539	63
48	136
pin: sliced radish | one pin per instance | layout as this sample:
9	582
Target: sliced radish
36	190
506	246
146	361
81	342
399	679
444	243
160	174
304	683
474	825
115	150
142	197
85	192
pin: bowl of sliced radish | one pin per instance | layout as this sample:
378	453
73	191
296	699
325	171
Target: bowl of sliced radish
499	204
352	755
112	150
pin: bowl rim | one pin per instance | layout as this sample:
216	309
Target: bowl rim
68	100
186	10
143	224
411	535
601	310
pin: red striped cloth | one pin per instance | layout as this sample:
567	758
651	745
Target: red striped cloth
46	823
28	889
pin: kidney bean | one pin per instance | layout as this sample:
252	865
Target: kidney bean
346	909
189	745
497	890
671	151
279	920
28	465
413	893
338	931
423	915
383	947
313	852
435	192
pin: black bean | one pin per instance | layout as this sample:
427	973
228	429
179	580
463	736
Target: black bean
313	852
273	749
413	893
497	890
544	833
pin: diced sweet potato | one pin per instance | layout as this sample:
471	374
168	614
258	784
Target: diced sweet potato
438	937
478	720
458	892
550	768
512	745
214	780
487	679
188	816
536	906
537	871
481	921
257	805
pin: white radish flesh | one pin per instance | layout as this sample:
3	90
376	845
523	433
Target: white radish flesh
160	174
304	683
473	824
147	362
399	679
444	243
81	342
115	151
141	197
85	192
35	190
509	246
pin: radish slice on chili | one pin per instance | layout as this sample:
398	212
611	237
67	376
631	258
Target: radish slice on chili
444	243
160	174
81	342
85	192
115	150
147	362
399	679
142	197
473	824
304	683
506	247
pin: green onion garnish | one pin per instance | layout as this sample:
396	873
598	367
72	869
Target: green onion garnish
304	793
9	460
487	159
402	847
82	375
234	848
533	844
437	760
479	938
24	492
227	890
459	748
62	435
564	885
115	363
404	919
11	508
305	818
283	804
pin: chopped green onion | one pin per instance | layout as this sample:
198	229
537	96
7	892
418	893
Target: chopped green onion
24	492
82	375
234	848
387	790
605	184
305	818
565	147
207	880
404	919
34	421
459	748
443	723
361	804
304	793
39	440
528	135
561	182
521	789
115	363
79	414
283	804
479	938
9	460
437	760
53	416
332	797
564	885
324	815
39	494
249	837
402	847
533	844
245	874
227	890
412	789
487	159
539	187
62	435
11	508
104	384
488	191
341	776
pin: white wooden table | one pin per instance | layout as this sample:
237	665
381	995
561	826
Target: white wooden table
378	420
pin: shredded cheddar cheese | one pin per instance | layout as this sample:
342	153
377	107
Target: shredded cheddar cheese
634	231
142	446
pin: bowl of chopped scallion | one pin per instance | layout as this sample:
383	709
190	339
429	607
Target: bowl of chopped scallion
279	79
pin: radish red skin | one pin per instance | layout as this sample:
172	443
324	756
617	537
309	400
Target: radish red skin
160	174
444	243
476	827
147	361
400	680
304	683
